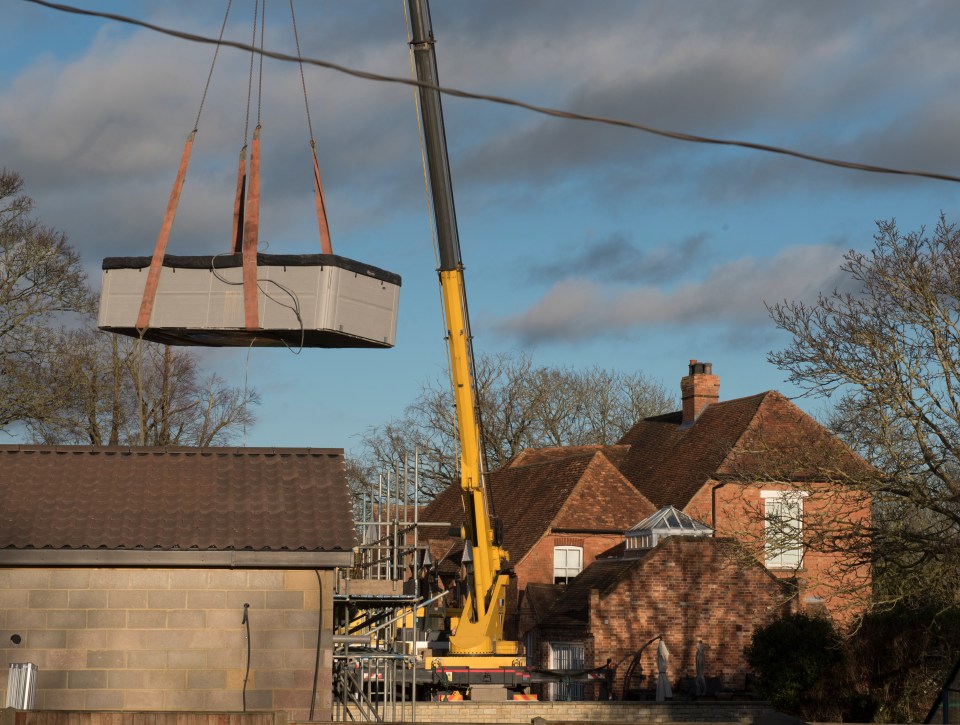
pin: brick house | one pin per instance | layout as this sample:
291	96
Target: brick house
129	577
757	470
760	470
555	506
687	589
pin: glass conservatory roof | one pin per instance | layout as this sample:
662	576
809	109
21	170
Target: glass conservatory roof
670	520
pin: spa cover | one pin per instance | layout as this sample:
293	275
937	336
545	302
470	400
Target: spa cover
309	300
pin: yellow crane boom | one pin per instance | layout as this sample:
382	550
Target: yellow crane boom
479	630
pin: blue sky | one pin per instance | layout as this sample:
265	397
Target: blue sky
584	245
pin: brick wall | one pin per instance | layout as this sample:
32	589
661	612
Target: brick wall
828	579
537	566
129	639
689	590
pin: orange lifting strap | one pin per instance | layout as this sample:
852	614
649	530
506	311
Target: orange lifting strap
251	230
244	236
153	276
325	246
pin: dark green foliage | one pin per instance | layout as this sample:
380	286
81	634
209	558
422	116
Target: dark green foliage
889	669
793	656
902	657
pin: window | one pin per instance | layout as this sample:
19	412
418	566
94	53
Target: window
783	520
566	656
567	563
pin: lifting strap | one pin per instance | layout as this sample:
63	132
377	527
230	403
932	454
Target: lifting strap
160	250
236	237
325	246
153	276
251	230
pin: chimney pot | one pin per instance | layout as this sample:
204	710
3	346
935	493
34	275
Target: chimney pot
698	389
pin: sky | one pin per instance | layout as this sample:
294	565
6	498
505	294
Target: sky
584	245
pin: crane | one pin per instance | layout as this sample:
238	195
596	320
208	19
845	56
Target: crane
478	652
478	631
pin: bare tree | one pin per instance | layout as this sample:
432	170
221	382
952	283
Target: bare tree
521	406
888	353
41	281
64	381
114	390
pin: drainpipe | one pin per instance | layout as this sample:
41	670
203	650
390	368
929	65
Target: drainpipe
713	505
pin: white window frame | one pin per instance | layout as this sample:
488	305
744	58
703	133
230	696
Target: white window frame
566	656
783	539
563	571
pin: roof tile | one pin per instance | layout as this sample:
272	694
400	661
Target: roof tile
760	437
265	499
564	487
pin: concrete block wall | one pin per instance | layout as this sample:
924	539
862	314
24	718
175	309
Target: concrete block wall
167	639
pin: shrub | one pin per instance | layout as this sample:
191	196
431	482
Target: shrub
794	657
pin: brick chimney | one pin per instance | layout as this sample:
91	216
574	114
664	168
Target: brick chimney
698	390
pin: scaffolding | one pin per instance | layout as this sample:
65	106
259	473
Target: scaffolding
384	610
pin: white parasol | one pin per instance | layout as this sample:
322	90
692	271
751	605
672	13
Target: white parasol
701	663
663	681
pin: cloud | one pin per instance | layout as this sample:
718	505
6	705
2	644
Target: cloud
813	80
704	90
113	115
617	259
909	140
731	295
97	137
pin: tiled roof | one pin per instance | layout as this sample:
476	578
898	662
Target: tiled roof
784	443
761	437
549	491
531	456
174	499
526	498
540	597
669	463
572	606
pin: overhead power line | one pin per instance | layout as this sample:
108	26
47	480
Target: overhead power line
545	110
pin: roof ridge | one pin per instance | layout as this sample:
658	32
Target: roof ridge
748	397
719	403
174	499
208	450
533	464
